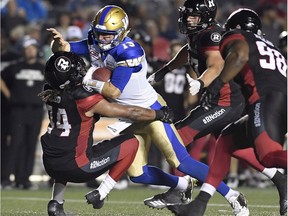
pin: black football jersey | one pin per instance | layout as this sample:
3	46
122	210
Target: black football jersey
172	89
209	40
69	137
266	69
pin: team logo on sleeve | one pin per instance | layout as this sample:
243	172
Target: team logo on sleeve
215	37
63	64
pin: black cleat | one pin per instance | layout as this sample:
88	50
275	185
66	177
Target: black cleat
195	208
282	190
93	197
172	196
55	208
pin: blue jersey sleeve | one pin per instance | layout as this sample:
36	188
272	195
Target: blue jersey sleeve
79	47
121	76
128	56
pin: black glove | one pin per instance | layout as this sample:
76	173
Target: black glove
208	98
165	114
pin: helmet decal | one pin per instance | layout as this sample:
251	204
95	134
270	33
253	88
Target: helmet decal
211	4
62	64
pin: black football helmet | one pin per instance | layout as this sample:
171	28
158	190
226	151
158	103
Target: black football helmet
244	19
205	9
64	69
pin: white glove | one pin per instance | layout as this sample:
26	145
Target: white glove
88	75
151	79
195	85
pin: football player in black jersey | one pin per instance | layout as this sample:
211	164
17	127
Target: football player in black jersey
204	36
197	22
68	151
261	71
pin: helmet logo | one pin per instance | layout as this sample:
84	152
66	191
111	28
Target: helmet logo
215	37
211	4
62	64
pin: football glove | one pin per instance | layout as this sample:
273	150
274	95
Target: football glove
195	85
165	114
208	97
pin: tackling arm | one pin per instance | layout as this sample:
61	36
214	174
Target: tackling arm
179	60
133	113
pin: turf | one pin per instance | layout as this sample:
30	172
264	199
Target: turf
129	202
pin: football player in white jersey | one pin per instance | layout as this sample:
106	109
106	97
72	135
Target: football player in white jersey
109	46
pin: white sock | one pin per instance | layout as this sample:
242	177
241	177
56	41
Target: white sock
208	189
269	172
231	193
106	186
58	192
182	184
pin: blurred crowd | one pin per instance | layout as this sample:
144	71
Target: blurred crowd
158	18
25	21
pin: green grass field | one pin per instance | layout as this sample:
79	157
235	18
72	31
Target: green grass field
262	202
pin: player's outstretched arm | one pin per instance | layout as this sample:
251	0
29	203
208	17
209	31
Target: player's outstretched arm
179	60
58	43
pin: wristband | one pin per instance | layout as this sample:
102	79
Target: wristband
96	84
201	84
159	114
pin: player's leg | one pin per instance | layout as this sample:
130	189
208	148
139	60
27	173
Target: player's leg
55	205
118	154
268	123
140	172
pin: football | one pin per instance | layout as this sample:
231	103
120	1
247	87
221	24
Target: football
102	74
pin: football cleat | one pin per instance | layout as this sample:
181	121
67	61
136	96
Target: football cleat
55	208
281	186
172	196
194	208
239	205
93	197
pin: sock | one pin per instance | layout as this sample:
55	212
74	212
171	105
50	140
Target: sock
269	172
182	184
199	171
277	178
155	176
208	189
204	196
58	192
231	193
106	186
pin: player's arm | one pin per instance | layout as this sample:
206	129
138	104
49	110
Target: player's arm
180	59
236	56
58	43
133	113
214	64
4	89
